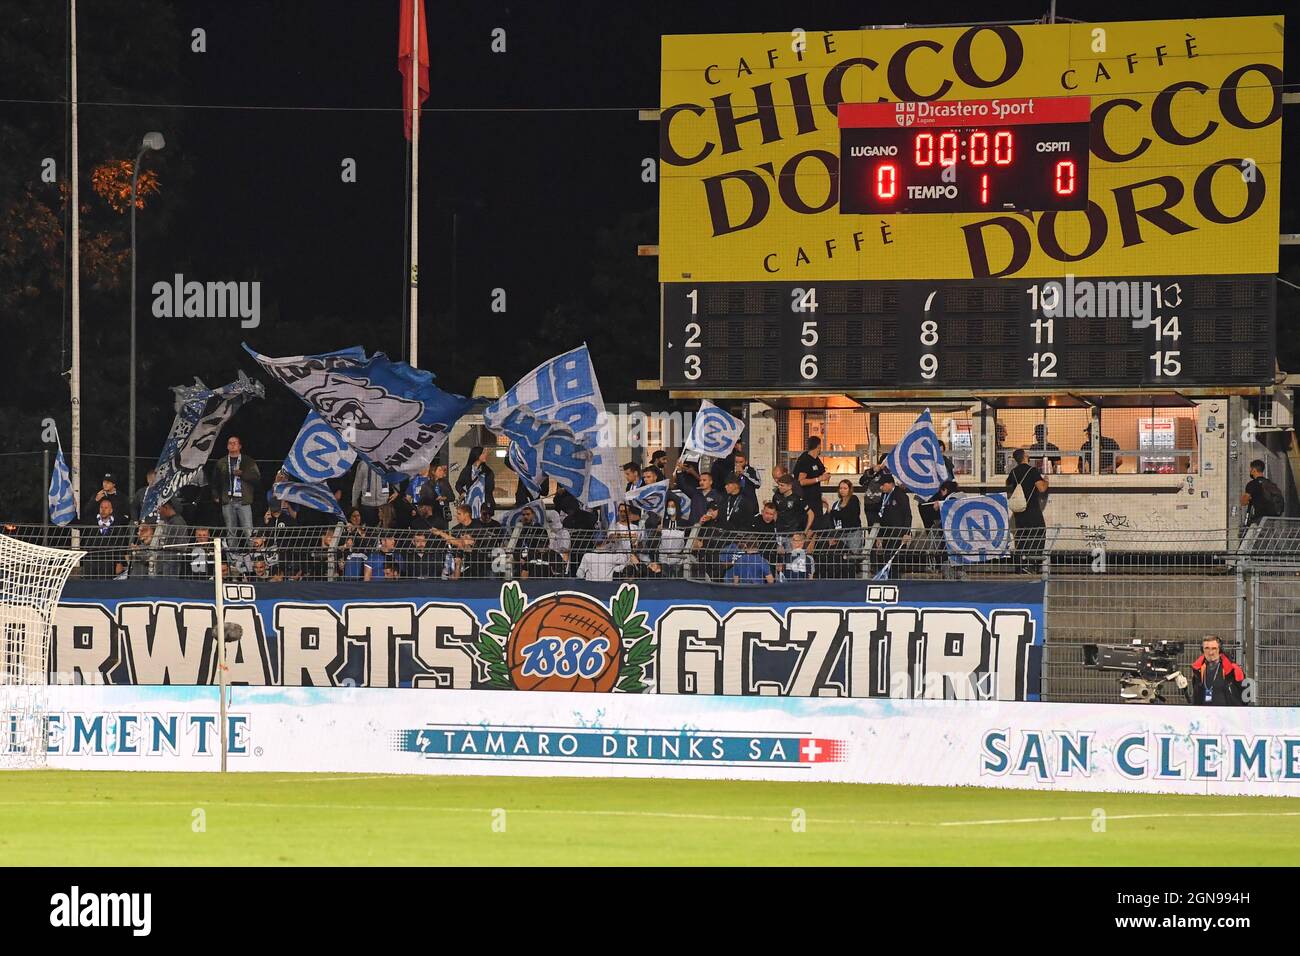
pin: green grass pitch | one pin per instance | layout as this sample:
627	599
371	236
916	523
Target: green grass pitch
109	818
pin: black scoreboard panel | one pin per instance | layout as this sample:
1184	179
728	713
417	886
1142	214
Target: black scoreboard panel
1078	333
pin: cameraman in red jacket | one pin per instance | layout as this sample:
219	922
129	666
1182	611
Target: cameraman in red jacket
1216	681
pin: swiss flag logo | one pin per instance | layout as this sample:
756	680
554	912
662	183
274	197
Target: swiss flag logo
821	750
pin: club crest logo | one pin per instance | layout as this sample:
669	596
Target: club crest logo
566	642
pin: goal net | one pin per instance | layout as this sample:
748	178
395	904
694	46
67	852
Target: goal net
31	580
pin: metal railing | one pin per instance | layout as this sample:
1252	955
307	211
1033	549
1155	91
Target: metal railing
699	552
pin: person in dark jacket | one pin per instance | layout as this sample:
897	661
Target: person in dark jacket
1030	528
808	471
1216	680
477	465
792	510
894	515
107	491
105	542
438	493
738	510
871	493
841	539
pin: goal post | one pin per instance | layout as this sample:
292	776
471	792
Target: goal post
31	580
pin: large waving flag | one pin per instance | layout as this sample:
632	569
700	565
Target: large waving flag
391	414
714	431
201	413
405	51
917	461
556	415
319	453
305	493
976	527
62	505
649	499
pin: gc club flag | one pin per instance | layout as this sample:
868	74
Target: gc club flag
516	516
917	461
683	504
476	496
391	414
522	464
557	416
976	527
201	413
319	453
714	431
63	507
311	495
649	499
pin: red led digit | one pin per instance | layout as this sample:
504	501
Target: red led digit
947	149
886	181
1002	147
984	188
1065	178
979	148
925	149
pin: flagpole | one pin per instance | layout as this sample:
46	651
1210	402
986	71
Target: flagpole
75	381
414	275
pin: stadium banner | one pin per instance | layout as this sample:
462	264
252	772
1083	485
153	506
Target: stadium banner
1015	745
923	639
1184	150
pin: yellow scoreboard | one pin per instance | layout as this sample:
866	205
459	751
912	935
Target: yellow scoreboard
1180	174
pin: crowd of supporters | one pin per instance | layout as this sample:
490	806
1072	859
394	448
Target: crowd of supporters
721	522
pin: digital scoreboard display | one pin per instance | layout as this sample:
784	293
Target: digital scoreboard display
995	334
964	155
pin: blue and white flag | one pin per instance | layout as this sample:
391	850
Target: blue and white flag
516	515
917	461
391	414
319	453
714	431
522	463
649	499
683	505
201	413
63	507
308	494
976	527
476	496
556	415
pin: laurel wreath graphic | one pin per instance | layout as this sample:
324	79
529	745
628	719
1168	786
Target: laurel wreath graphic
631	624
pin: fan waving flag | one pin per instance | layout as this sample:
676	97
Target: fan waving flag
976	527
714	431
311	495
392	415
319	453
201	413
404	58
63	507
917	461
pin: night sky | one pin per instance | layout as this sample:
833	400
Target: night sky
537	151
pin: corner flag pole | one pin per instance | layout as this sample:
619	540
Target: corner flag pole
414	275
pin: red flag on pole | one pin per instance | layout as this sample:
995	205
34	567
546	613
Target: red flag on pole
404	48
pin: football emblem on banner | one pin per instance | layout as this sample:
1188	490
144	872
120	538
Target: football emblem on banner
566	642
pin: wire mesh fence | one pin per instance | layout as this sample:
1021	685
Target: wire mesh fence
545	546
1132	586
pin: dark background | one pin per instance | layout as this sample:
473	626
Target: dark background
535	152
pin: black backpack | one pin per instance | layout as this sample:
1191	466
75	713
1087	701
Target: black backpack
1272	503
